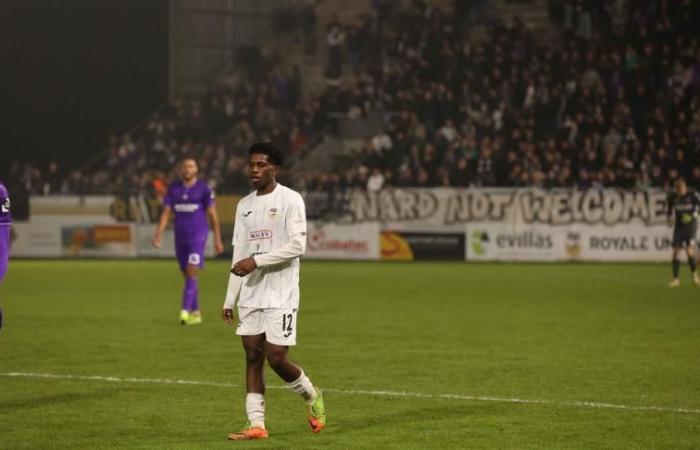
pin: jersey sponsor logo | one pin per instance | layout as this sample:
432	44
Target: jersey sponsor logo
685	206
186	207
260	234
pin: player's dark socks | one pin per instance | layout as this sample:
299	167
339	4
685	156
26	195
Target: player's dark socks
676	267
692	263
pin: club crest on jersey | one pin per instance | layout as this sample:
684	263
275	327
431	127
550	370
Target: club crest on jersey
273	213
260	234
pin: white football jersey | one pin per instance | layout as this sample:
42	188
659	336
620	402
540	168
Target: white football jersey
264	223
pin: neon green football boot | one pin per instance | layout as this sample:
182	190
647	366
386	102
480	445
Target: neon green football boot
317	413
184	317
195	318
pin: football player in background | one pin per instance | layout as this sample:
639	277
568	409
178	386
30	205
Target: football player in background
682	211
5	223
193	202
269	237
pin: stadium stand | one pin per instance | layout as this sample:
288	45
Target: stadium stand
605	96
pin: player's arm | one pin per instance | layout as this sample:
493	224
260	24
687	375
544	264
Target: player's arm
4	200
233	289
235	282
162	223
669	209
295	221
214	222
213	219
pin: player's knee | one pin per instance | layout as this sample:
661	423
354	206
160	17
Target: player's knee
190	271
253	356
276	358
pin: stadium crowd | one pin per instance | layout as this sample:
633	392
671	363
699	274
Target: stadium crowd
214	128
613	102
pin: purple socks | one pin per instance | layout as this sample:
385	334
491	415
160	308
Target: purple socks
189	295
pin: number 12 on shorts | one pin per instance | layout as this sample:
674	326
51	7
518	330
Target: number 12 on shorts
287	324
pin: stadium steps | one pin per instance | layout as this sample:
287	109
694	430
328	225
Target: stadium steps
533	14
347	12
321	157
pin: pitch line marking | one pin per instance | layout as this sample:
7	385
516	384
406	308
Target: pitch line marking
481	398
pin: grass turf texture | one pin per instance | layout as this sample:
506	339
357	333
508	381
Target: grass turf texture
565	332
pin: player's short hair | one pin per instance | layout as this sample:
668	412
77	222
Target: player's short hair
267	148
680	182
188	156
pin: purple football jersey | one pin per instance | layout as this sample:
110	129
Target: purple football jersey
190	205
5	216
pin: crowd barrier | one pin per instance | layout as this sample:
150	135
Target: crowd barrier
393	224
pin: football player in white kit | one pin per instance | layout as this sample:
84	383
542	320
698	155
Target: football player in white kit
269	237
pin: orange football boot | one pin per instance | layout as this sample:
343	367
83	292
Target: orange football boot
248	434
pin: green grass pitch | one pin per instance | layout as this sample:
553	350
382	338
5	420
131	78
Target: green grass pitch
562	334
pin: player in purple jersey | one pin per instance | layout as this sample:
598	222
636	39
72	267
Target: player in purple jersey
193	202
5	223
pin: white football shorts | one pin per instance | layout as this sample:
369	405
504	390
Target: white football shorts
278	324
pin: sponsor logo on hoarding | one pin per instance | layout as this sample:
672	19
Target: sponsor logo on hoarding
479	241
435	245
524	240
628	243
497	241
319	241
97	240
394	247
111	233
573	244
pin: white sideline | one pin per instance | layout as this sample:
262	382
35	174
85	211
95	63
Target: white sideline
573	404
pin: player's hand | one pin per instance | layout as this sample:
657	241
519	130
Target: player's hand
218	247
244	267
156	241
229	316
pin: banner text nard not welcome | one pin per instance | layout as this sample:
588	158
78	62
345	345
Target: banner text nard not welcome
555	207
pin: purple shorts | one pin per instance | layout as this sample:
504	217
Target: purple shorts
4	249
190	253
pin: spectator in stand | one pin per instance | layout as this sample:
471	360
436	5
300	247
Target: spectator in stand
335	38
375	182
